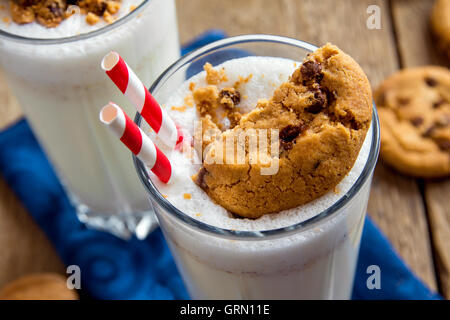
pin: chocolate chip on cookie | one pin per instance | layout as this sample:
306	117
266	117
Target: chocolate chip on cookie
311	71
288	134
320	100
438	103
417	121
229	97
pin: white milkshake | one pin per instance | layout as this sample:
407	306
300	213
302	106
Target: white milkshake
317	263
61	87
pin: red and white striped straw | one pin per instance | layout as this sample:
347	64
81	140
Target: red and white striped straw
136	140
130	85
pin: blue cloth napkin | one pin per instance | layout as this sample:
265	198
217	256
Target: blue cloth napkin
112	268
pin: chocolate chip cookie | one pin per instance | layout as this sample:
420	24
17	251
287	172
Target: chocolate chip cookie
316	122
45	286
440	25
414	110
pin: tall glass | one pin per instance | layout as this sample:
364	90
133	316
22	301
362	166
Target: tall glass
61	88
313	259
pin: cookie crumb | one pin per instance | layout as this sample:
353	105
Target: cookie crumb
19	14
192	86
214	76
189	100
165	196
187	196
108	17
112	7
132	7
229	97
209	101
242	81
198	214
180	109
92	18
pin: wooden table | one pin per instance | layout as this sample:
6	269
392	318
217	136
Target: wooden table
414	214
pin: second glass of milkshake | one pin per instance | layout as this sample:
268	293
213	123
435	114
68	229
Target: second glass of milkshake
53	67
305	252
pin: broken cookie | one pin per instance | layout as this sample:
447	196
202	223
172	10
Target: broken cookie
321	117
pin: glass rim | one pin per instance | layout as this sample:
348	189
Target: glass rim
48	41
264	234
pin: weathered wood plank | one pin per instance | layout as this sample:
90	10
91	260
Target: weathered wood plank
343	23
24	247
9	107
415	43
397	206
317	22
416	48
437	197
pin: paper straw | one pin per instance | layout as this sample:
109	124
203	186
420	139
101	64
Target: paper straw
136	140
133	88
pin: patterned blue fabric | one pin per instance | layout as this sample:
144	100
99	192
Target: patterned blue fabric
112	268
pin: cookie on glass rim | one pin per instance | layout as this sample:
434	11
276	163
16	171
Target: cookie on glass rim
322	115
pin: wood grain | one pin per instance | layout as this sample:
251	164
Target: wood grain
9	107
415	43
313	21
417	48
396	205
437	198
24	247
395	202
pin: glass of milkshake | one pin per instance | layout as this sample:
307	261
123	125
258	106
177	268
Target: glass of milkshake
52	62
306	252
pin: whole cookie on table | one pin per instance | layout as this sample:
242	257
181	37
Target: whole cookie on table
45	286
440	25
322	115
414	110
